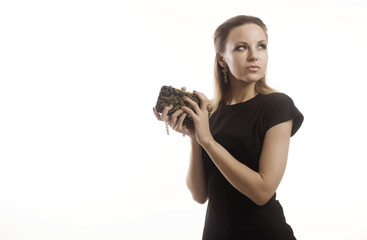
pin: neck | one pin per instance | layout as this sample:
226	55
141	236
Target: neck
241	92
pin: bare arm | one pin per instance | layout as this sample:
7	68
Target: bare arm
196	175
195	179
258	186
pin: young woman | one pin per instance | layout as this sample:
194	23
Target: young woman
239	154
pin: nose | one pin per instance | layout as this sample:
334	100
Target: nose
253	55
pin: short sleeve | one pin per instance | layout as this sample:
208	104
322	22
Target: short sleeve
280	109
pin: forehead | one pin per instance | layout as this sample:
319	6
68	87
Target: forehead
246	33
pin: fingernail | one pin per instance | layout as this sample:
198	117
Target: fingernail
170	106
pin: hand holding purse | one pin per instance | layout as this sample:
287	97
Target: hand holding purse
173	96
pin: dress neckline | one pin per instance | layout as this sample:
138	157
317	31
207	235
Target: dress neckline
242	103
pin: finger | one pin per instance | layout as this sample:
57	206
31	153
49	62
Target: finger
189	112
177	113
180	121
204	101
164	115
194	105
173	118
157	115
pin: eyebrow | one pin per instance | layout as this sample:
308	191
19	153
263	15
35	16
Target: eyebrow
247	43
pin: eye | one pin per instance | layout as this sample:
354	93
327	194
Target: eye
262	46
241	48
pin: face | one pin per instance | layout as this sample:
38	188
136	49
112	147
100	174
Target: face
246	54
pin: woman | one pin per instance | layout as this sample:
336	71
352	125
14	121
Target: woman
239	154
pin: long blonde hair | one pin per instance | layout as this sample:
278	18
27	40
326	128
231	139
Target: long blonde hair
221	90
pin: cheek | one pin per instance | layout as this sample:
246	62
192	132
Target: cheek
237	62
265	58
236	68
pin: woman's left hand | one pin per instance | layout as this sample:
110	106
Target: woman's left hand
200	115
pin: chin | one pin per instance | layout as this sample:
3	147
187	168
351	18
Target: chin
255	77
251	80
250	77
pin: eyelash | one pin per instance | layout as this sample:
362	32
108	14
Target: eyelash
263	46
239	48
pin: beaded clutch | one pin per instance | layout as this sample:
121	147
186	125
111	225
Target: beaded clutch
169	95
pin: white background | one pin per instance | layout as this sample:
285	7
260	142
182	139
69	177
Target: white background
83	157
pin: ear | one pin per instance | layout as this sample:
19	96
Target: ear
221	61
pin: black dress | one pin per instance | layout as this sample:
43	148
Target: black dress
241	128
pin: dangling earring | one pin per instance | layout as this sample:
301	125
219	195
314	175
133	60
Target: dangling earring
225	74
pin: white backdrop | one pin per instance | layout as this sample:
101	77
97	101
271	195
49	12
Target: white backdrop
82	156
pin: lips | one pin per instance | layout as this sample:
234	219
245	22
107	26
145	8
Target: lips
253	68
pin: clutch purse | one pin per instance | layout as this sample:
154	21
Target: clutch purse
169	95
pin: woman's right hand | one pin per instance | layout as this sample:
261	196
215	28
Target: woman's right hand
175	121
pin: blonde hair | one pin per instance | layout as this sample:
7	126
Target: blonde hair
221	90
